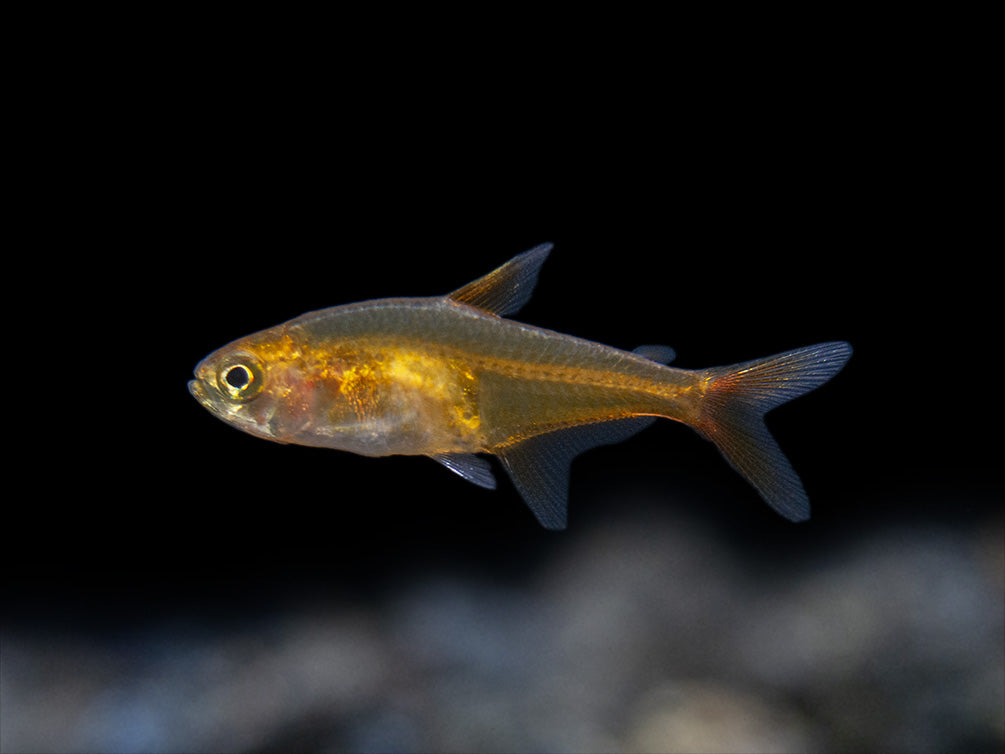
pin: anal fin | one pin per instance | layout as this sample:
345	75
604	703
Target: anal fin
539	466
471	467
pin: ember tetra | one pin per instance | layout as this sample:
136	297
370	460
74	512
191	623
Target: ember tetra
448	377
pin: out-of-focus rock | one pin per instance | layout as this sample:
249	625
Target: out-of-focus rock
645	634
189	691
895	642
704	716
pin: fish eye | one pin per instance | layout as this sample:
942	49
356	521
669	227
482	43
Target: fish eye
237	376
240	378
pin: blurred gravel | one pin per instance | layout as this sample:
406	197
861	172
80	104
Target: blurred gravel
643	635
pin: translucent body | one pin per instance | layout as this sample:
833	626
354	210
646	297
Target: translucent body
449	377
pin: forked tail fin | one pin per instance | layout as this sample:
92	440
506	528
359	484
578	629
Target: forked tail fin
733	409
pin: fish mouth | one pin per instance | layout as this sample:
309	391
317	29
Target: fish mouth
205	394
198	390
203	386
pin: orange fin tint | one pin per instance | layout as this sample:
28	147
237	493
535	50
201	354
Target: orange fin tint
732	416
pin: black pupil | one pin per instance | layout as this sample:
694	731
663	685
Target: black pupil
237	377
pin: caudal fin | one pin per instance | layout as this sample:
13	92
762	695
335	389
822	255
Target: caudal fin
733	409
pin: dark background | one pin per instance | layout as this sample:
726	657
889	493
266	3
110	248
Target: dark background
731	252
730	214
179	495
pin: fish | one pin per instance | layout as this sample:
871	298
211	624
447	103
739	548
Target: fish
455	379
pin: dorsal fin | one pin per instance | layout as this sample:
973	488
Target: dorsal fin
506	289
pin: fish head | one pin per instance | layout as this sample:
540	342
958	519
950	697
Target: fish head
254	384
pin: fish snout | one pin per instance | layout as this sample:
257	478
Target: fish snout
198	390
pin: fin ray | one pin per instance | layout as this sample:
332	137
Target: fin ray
476	470
506	289
732	416
539	466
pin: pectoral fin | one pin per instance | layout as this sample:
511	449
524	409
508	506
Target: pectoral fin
506	289
539	466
